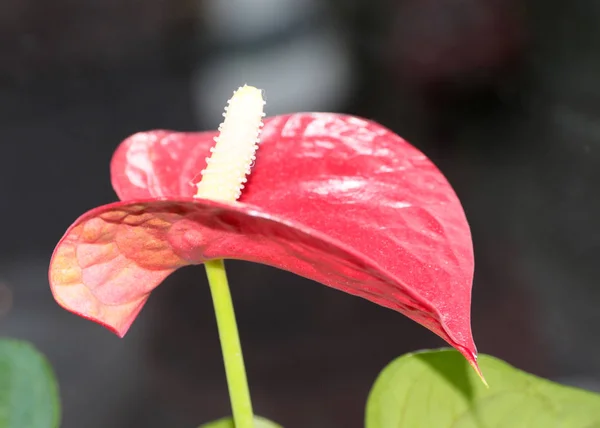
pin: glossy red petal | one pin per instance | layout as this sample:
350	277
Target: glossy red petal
334	198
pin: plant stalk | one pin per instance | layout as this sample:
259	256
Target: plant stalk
235	371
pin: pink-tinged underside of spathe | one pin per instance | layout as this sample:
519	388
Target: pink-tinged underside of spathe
333	198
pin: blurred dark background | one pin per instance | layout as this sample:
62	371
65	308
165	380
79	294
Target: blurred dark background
503	95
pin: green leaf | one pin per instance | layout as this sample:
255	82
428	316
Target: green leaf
439	389
228	423
28	389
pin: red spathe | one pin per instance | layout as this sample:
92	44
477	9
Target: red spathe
334	198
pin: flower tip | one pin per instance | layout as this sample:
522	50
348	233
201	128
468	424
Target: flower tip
248	96
472	359
479	373
470	354
247	91
120	332
118	328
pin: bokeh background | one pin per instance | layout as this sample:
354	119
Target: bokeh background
503	95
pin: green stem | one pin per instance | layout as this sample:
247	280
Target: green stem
235	371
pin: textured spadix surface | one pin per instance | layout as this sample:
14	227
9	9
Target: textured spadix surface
334	198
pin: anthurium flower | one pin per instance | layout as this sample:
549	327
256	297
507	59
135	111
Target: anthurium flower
334	198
